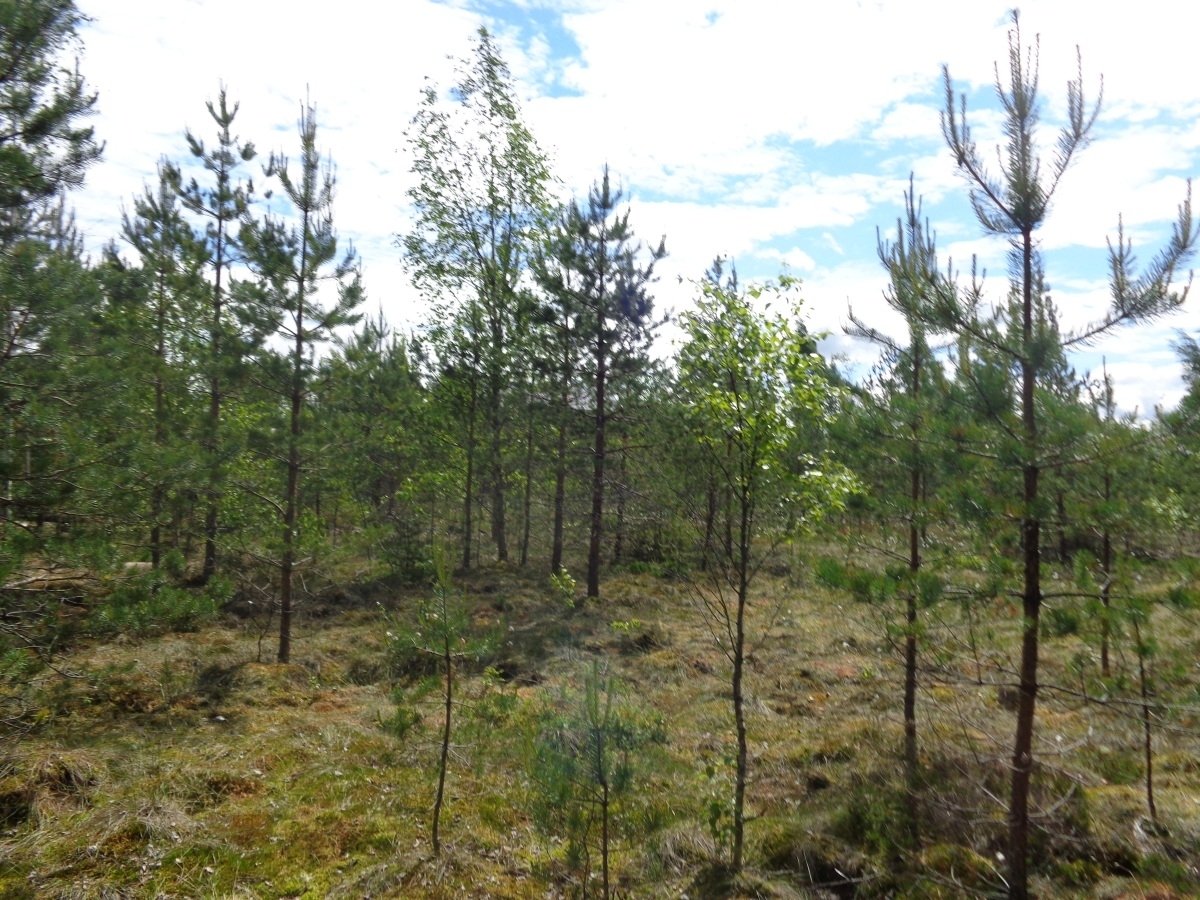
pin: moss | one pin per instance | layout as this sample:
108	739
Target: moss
956	866
279	780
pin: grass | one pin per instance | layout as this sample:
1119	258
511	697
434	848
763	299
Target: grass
176	765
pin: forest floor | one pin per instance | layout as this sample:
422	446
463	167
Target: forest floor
191	765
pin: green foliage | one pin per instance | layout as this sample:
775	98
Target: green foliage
875	819
147	605
589	752
717	797
405	716
754	389
562	587
1062	619
44	150
481	199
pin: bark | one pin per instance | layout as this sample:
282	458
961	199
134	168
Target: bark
287	564
560	489
213	441
469	486
710	521
598	452
560	455
1106	573
1022	758
739	704
158	492
497	479
911	760
1147	740
618	553
496	422
444	759
527	500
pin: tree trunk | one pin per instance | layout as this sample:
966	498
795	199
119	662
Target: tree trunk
1147	742
911	760
618	553
469	487
499	521
213	494
1022	758
598	451
527	500
710	521
1106	574
560	491
495	450
158	491
604	801
444	759
287	564
739	651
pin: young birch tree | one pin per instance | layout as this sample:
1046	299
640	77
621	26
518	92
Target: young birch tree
751	382
481	198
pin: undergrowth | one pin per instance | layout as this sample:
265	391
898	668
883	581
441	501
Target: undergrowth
169	764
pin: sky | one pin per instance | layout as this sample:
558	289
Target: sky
781	135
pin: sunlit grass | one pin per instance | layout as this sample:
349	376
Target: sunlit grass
178	765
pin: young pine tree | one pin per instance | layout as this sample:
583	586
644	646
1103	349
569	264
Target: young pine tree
222	205
1014	204
293	259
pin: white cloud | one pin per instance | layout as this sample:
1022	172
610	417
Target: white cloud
770	132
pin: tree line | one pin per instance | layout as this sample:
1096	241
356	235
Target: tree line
207	397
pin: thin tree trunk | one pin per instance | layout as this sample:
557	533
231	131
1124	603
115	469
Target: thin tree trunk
598	451
1022	758
739	711
469	487
604	835
496	462
527	500
499	521
728	504
618	553
1060	505
710	521
444	760
560	491
287	564
157	493
911	761
1106	574
213	495
1147	741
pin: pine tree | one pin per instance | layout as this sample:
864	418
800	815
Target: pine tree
222	206
1014	205
613	318
291	261
916	282
44	148
555	269
161	328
